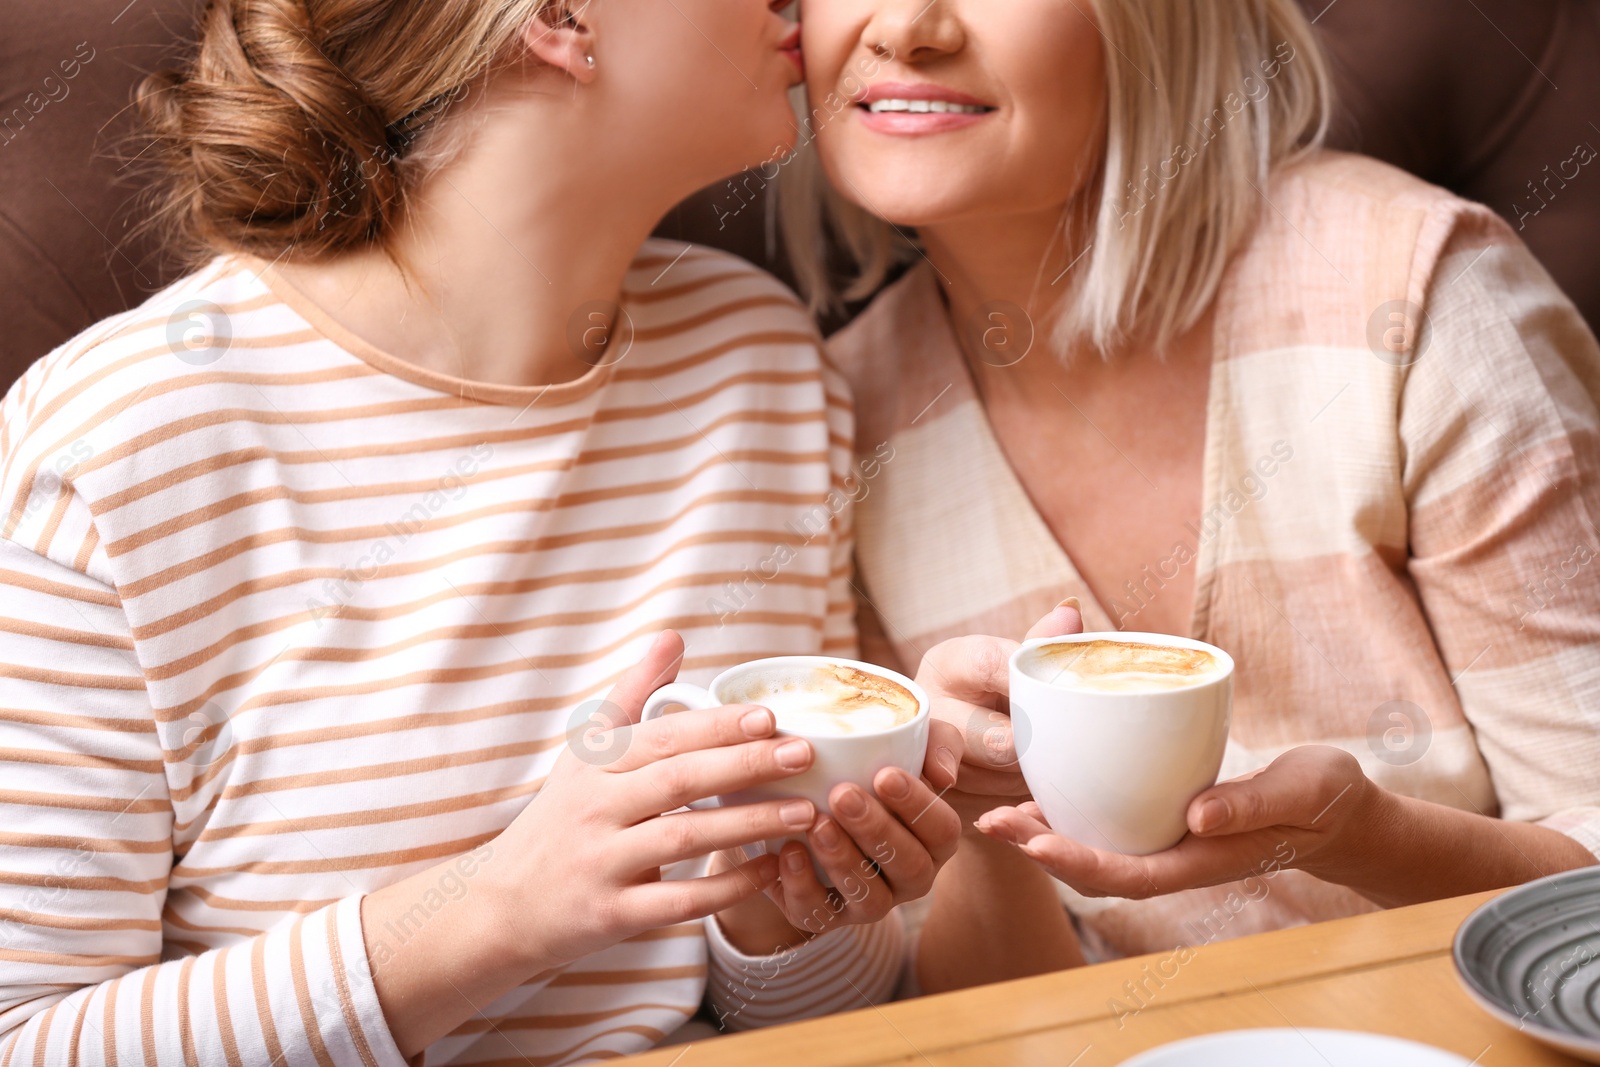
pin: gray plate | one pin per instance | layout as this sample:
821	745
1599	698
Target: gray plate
1532	959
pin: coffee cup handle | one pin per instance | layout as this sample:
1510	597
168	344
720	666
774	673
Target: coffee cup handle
689	696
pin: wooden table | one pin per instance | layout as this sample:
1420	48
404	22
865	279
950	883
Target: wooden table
1389	973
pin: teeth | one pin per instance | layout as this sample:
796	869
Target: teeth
923	107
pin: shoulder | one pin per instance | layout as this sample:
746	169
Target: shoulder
673	281
136	356
691	305
1342	178
1429	305
95	396
698	303
1362	221
1339	239
148	379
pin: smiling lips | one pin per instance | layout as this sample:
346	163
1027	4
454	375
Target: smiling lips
913	109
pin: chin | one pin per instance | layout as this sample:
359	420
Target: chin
913	197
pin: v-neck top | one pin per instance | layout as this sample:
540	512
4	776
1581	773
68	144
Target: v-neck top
1394	543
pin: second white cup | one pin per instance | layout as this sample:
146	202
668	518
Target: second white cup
1116	770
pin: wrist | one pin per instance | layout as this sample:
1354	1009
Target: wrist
995	915
988	869
504	921
755	927
436	944
1377	827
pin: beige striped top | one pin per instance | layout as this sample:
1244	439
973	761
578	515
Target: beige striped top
284	619
1399	552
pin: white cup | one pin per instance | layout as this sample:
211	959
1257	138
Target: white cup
856	757
1116	770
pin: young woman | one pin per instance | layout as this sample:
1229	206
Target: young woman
317	566
1158	353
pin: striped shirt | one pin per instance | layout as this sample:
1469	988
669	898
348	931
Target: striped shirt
1397	546
284	620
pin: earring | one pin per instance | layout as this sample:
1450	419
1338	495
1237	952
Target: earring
589	60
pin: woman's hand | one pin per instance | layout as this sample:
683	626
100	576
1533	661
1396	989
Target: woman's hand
972	756
589	849
579	870
1311	809
879	849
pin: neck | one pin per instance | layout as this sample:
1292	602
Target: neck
1024	260
1028	260
502	249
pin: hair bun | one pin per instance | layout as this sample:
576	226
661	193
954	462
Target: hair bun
268	142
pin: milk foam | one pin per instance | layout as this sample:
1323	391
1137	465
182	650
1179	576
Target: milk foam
1123	666
831	701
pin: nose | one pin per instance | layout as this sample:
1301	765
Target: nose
915	31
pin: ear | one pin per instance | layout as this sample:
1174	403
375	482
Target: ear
562	38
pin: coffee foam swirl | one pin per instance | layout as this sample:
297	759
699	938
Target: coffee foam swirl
831	700
1122	666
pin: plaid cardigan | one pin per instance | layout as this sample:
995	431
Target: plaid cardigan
1397	545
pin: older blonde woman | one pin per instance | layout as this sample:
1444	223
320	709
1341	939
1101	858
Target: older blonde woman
1158	353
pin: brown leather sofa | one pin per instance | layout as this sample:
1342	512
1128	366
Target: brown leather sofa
67	254
1491	98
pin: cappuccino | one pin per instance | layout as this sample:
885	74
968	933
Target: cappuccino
1118	732
826	701
1108	666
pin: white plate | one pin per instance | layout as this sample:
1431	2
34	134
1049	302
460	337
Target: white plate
1296	1048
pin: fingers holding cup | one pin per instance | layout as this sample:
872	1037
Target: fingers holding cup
857	895
921	815
856	720
968	684
876	850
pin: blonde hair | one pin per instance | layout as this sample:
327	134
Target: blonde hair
295	123
1205	100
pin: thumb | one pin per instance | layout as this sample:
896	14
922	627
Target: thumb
658	667
1066	618
1305	787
